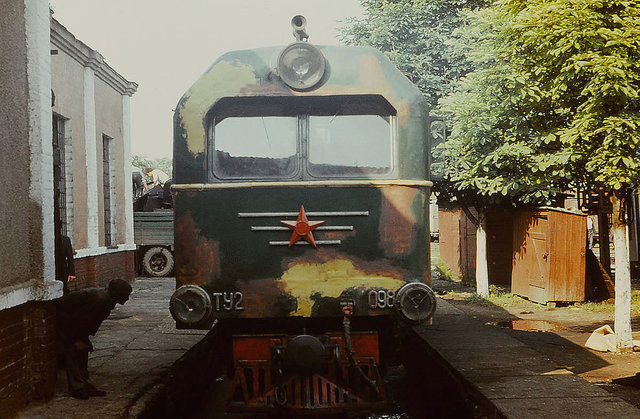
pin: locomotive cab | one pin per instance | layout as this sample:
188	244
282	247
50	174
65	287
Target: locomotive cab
301	198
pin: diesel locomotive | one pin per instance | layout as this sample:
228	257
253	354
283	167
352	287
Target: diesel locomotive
301	199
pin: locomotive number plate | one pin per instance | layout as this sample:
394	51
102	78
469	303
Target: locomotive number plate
228	301
379	299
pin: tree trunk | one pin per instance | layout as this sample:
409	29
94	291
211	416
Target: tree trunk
603	238
622	325
482	269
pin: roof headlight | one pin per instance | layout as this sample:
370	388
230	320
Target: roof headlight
301	65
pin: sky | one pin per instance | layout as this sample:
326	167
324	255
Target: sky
165	45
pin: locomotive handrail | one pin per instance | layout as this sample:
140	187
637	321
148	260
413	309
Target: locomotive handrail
306	184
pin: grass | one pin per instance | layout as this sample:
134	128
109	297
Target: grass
442	272
497	297
609	306
467	280
502	298
476	298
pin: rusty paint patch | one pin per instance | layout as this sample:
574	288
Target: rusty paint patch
372	75
196	258
266	298
397	226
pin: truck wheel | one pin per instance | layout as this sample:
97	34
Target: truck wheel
157	261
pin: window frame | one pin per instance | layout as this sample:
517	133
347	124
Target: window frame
392	153
302	139
212	149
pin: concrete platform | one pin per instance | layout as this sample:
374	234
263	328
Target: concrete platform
510	378
134	350
137	345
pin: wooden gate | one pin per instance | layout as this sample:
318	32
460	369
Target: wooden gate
549	255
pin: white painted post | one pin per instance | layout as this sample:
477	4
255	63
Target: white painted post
128	188
622	318
90	134
482	269
40	130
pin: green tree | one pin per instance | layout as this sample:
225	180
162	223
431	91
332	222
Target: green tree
415	35
141	163
494	156
563	105
502	150
584	53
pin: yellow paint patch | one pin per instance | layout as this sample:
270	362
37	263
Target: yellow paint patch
222	80
329	279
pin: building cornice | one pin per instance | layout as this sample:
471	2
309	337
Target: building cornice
101	250
88	57
32	290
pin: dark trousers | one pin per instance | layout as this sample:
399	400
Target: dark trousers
76	363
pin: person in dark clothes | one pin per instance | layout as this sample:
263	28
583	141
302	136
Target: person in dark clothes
139	185
167	198
65	266
78	315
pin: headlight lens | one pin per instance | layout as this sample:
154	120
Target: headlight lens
190	304
301	65
416	302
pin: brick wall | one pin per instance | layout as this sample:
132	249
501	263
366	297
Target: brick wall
27	335
27	355
97	271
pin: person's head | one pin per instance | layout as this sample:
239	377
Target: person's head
119	290
148	170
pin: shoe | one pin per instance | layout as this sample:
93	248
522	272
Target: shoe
82	394
94	392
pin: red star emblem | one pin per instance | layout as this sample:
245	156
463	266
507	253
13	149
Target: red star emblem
302	228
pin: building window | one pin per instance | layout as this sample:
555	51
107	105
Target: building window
108	184
59	177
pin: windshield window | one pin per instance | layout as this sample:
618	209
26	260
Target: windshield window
349	145
256	147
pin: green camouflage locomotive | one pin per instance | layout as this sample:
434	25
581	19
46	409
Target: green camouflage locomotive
301	198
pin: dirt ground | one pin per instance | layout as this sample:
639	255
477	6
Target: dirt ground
560	333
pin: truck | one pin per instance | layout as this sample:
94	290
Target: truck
153	236
153	231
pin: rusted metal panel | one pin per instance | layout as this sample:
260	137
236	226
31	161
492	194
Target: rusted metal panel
549	255
234	252
261	382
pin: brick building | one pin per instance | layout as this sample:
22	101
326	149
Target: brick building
64	169
91	131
